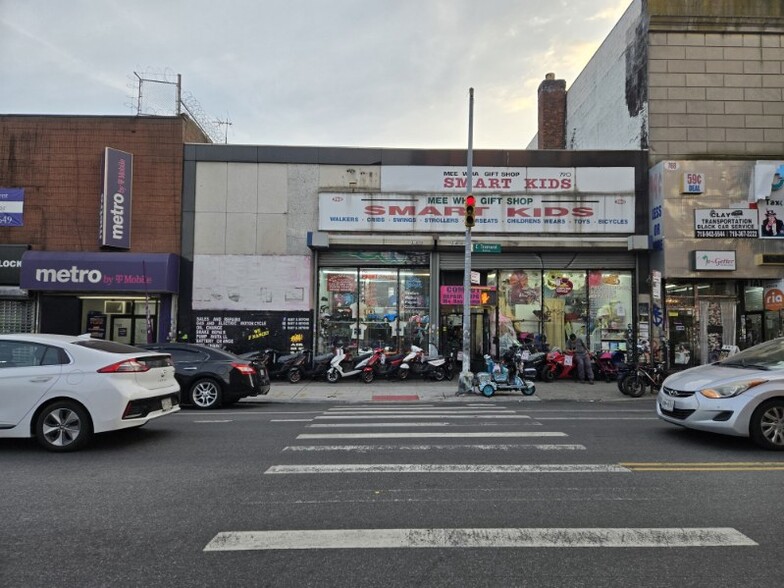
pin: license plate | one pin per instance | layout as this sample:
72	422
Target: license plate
166	404
667	403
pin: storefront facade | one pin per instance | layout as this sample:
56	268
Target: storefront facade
17	307
718	256
561	240
122	297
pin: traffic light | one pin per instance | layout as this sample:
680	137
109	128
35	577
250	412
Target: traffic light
470	214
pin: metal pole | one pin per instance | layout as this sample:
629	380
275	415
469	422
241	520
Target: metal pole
465	382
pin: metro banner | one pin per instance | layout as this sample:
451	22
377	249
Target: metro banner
495	213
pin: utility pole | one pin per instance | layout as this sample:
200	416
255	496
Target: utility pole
465	381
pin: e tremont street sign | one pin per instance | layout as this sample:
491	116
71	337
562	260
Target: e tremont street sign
485	247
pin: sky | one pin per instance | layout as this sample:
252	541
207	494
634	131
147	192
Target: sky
358	73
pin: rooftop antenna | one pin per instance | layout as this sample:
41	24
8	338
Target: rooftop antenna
225	124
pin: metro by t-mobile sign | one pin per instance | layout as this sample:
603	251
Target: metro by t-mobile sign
115	224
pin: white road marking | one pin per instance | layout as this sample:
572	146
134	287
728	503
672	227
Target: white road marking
428	435
418	409
365	425
485	447
424	468
425	416
580	418
215	421
473	538
291	420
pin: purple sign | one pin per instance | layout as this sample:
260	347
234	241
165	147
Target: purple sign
11	207
102	272
116	199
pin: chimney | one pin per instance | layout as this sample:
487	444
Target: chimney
552	113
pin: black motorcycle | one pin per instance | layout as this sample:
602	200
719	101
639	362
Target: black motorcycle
278	364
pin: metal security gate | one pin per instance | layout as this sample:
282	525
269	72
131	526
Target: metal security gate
17	316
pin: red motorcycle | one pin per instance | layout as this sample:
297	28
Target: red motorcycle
382	364
560	365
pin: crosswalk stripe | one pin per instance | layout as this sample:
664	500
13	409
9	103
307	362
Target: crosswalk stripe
737	466
480	447
415	468
425	416
474	538
430	435
366	425
414	409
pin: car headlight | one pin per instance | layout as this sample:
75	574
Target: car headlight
730	390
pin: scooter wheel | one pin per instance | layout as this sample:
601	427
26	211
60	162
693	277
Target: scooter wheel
439	374
529	390
403	375
367	376
333	376
294	375
488	391
548	375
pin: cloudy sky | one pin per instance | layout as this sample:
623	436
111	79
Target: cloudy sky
366	73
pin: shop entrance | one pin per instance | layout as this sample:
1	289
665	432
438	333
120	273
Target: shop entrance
680	326
480	339
131	330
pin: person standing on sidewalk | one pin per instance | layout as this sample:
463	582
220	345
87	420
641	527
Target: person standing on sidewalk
582	358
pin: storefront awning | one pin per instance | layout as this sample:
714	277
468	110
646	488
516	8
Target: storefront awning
100	272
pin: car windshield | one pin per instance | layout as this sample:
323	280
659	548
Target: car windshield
765	356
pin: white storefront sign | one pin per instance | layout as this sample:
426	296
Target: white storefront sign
726	223
508	180
496	213
714	260
693	183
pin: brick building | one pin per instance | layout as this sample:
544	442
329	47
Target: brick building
699	85
53	171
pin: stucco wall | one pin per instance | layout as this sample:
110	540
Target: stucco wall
606	104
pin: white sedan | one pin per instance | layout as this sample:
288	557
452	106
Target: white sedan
61	389
742	395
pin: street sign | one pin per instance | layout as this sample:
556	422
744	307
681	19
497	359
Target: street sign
486	247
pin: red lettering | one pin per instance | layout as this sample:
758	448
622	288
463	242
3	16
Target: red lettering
374	210
402	211
530	183
555	211
454	211
582	211
566	183
494	183
430	210
513	212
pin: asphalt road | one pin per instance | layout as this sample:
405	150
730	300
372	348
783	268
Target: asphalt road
485	494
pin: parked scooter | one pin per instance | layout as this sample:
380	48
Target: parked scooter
345	365
381	364
278	364
432	365
505	376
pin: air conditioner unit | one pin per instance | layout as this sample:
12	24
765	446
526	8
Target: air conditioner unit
114	307
769	259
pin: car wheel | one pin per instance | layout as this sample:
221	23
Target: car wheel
333	376
634	386
766	427
63	426
367	376
205	394
294	375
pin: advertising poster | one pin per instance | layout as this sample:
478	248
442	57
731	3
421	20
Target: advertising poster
244	331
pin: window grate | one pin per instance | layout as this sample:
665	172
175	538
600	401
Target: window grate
17	316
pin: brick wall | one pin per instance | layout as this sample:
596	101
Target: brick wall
716	94
552	113
57	160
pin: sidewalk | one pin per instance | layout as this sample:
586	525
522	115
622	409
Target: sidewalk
354	390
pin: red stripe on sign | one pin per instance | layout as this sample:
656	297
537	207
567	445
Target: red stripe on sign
397	398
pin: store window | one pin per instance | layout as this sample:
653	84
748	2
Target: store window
365	308
519	307
565	306
610	296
